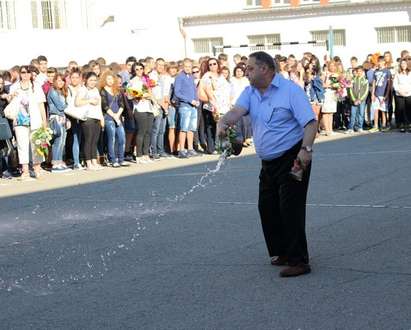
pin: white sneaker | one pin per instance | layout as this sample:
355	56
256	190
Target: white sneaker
349	131
78	167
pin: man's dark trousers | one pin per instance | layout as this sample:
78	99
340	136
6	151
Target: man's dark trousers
282	207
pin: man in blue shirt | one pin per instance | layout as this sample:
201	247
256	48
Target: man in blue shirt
284	129
185	91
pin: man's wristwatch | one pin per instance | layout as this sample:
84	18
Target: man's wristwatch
307	148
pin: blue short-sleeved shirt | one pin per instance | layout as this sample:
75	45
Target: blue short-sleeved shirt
278	117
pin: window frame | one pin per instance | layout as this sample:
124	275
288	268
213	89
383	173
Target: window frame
343	37
210	44
56	18
265	42
395	30
7	15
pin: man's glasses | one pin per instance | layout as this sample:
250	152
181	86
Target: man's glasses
212	64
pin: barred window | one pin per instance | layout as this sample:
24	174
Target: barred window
264	39
48	15
205	45
322	35
7	15
393	34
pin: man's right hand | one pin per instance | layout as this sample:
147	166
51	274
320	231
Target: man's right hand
222	128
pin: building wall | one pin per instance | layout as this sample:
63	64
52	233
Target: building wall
153	29
361	36
139	29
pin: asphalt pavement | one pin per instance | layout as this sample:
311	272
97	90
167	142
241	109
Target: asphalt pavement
158	248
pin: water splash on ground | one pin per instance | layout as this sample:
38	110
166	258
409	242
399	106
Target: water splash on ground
94	266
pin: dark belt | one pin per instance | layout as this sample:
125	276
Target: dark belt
293	150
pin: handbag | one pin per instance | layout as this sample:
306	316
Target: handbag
12	109
79	113
5	131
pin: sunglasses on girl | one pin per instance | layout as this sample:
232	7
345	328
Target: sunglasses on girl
212	64
194	72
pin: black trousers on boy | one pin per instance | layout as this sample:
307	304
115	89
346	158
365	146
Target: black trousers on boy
282	207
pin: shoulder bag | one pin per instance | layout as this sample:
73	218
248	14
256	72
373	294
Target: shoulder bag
5	131
79	113
12	109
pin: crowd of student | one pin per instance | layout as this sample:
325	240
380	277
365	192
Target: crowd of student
146	110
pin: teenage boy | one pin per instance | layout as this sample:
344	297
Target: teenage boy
380	89
354	65
42	76
358	95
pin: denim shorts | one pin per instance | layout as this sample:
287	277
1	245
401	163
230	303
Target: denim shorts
188	117
171	117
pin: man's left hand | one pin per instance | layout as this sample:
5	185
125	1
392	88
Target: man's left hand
305	158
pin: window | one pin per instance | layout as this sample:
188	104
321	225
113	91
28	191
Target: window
7	15
339	37
205	45
253	3
393	34
264	39
48	15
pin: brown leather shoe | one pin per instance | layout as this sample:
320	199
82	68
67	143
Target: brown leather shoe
279	261
297	270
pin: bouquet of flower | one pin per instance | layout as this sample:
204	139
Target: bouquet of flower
339	84
41	139
151	83
230	144
137	90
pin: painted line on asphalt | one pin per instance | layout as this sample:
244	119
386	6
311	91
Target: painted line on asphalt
362	153
367	206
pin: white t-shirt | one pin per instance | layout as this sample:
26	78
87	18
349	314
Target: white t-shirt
71	94
165	83
237	87
156	91
29	102
142	105
93	111
41	78
402	84
221	89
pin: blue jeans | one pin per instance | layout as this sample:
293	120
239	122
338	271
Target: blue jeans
157	134
188	117
357	116
77	136
116	141
57	148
